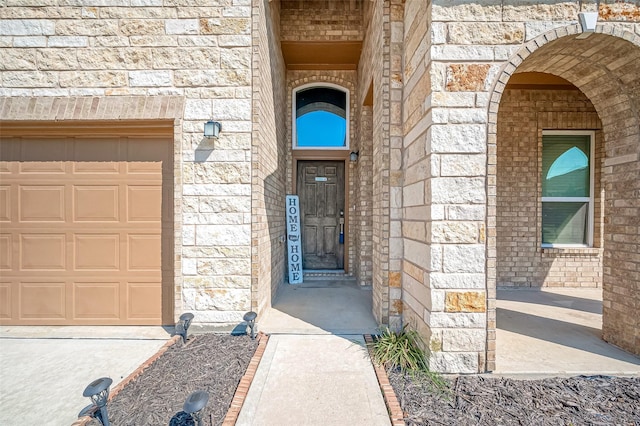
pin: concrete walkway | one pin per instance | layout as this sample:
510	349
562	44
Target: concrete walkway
44	370
314	380
316	369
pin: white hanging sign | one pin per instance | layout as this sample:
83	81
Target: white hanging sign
294	242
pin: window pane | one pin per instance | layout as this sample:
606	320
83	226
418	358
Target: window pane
564	223
321	117
565	166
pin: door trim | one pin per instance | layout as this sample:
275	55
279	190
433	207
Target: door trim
328	155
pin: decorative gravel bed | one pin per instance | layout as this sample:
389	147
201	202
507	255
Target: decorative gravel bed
210	362
477	400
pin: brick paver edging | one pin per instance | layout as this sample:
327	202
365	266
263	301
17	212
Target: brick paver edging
138	371
243	388
393	406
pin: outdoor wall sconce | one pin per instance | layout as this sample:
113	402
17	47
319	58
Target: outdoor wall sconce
250	318
212	129
194	405
98	391
182	326
588	21
354	156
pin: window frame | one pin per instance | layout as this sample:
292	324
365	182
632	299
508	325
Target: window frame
589	200
294	129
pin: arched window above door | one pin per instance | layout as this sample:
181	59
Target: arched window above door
320	117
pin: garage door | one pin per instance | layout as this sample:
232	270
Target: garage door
82	239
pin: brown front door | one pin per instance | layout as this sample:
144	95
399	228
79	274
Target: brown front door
321	191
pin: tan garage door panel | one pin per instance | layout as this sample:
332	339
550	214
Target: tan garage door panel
81	230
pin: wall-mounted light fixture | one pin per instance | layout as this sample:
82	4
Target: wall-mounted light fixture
212	129
354	156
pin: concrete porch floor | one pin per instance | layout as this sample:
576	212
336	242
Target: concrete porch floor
542	332
321	305
555	331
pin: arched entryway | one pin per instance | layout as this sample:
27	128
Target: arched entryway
560	95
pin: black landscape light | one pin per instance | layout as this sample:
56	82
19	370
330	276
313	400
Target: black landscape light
182	326
98	391
250	318
194	405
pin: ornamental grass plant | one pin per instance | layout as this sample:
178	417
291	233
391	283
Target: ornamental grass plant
402	350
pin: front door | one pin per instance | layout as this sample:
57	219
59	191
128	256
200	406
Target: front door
321	192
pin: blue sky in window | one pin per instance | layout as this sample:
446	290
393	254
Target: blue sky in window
570	161
321	128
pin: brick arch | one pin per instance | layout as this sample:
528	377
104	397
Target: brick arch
606	68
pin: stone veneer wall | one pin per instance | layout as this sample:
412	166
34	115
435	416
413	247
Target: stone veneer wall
444	188
454	52
268	157
198	50
521	261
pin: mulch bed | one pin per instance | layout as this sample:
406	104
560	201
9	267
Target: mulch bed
210	362
476	400
216	364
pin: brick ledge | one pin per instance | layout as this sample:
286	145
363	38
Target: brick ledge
245	383
396	414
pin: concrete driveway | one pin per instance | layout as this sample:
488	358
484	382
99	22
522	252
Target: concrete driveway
44	370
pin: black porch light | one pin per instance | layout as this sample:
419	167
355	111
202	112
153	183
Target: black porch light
353	156
250	318
194	405
182	326
98	391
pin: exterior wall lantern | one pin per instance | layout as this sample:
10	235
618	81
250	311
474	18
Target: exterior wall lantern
212	129
354	156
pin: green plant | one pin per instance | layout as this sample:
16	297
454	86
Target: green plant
403	350
400	350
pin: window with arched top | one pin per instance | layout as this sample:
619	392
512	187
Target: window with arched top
321	117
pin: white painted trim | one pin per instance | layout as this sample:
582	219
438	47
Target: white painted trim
294	130
589	200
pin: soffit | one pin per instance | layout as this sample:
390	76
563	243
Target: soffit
320	55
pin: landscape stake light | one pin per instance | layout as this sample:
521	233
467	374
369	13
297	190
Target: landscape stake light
98	391
194	405
182	326
250	318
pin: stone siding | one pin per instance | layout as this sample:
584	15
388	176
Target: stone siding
199	51
444	189
521	261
